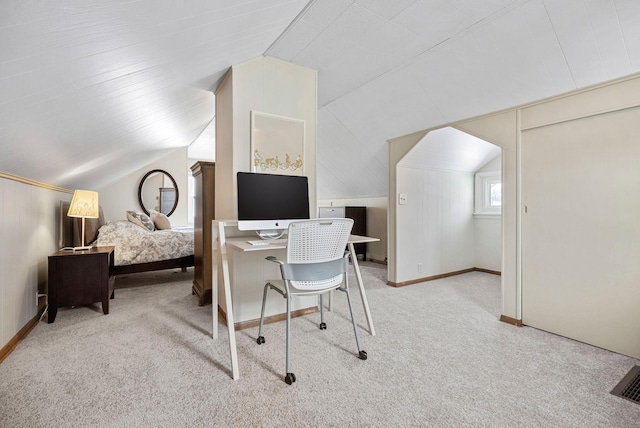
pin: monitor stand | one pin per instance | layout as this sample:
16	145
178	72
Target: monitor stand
270	234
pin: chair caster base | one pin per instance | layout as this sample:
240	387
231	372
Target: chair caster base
362	355
290	378
260	340
323	326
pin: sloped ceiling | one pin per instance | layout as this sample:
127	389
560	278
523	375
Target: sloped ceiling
94	89
452	150
390	68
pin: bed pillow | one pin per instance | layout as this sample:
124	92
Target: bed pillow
141	219
160	221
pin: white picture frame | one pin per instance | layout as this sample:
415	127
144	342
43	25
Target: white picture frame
277	144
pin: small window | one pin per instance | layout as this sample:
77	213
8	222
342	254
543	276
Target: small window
488	198
495	194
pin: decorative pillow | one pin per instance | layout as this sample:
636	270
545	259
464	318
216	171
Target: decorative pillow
141	219
160	220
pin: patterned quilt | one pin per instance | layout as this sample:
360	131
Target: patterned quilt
135	244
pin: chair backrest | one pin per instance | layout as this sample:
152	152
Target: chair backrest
318	240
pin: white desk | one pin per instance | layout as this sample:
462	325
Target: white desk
241	244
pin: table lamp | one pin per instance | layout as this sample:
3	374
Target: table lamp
84	204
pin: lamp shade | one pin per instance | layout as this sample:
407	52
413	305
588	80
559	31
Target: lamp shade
84	204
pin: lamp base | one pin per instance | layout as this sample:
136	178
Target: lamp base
83	247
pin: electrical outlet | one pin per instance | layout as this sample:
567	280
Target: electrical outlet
419	267
38	296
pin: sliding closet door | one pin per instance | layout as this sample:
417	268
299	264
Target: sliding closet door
581	230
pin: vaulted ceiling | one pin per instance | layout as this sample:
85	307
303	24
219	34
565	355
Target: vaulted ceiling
91	90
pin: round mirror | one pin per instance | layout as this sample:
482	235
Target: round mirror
158	191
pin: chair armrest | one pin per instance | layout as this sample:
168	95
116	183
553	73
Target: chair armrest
273	259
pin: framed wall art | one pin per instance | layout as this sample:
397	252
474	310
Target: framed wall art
277	144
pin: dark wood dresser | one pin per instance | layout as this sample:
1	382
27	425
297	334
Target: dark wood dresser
204	177
359	216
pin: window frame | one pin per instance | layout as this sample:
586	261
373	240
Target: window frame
483	182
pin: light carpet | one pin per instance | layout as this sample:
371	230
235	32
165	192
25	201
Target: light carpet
440	358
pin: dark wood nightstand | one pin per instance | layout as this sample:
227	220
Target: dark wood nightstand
80	278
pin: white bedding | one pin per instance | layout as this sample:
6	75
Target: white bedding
135	244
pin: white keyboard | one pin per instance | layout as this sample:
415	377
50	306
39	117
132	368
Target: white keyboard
267	241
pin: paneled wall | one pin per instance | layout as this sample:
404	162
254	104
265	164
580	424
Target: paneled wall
437	225
29	233
437	220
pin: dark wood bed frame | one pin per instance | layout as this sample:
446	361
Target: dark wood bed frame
66	240
182	262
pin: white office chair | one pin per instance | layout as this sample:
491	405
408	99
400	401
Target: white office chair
316	264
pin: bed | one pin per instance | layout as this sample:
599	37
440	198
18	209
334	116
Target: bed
137	248
142	250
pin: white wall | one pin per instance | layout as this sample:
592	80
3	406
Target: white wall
488	230
29	231
119	196
266	85
437	227
271	86
376	222
437	232
499	129
488	242
505	129
502	129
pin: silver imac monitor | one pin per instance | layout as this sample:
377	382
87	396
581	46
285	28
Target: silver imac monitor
267	203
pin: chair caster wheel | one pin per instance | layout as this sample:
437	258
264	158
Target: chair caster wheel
260	340
362	355
323	326
290	378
